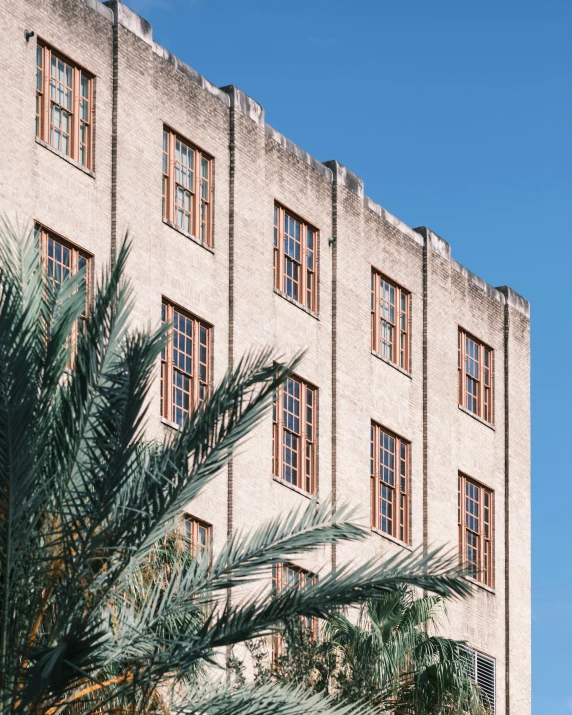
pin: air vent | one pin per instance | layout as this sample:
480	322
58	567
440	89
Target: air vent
481	669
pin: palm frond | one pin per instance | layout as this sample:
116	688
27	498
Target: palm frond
350	584
97	612
271	700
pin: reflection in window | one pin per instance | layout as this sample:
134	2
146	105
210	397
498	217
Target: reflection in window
198	534
389	470
294	434
475	512
64	105
390	320
62	260
185	363
295	259
187	186
475	361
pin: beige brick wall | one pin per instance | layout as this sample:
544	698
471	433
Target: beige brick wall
231	287
35	183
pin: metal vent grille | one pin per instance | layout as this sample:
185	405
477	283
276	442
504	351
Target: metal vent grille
481	670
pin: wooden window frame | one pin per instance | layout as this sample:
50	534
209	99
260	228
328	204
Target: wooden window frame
278	581
397	526
44	235
484	570
400	343
200	203
307	452
481	405
191	525
197	385
44	102
307	283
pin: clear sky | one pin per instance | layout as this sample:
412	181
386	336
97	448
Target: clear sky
457	115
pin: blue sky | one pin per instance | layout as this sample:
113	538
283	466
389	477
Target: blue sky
457	116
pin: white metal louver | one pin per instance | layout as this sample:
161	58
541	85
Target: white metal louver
481	669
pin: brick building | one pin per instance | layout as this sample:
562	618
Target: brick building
243	239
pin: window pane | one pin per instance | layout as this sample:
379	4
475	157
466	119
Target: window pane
392	505
477	529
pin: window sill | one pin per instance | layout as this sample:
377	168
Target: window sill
391	538
476	417
295	488
67	158
482	585
407	373
172	425
190	236
297	304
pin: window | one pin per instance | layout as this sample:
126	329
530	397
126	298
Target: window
475	376
295	258
64	105
187	186
476	536
481	669
199	535
185	363
389	467
294	434
62	260
286	576
390	320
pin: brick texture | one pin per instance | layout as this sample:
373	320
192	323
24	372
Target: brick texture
231	287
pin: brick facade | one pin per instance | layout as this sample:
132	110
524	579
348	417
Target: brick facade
139	87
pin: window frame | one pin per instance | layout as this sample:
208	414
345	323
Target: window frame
191	526
167	369
307	292
44	234
278	581
44	104
401	508
485	570
169	184
307	464
400	354
483	407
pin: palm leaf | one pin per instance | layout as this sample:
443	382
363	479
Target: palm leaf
96	613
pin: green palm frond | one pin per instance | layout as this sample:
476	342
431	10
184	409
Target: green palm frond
247	557
270	700
99	611
350	584
392	652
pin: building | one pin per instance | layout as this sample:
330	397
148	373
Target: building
243	239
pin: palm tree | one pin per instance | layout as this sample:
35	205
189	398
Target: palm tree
86	502
391	655
386	653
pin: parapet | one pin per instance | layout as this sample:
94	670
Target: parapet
241	101
115	11
515	300
101	8
123	15
344	177
192	74
300	153
397	223
503	294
